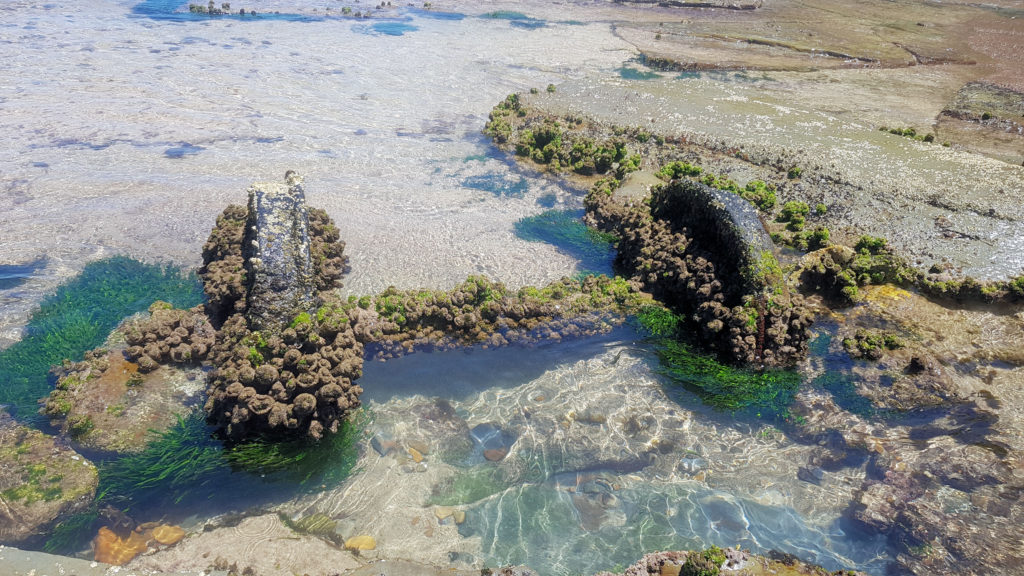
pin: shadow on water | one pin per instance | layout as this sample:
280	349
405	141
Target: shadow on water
630	73
516	19
13	275
498	184
185	149
388	27
435	15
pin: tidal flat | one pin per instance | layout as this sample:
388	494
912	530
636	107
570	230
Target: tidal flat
129	126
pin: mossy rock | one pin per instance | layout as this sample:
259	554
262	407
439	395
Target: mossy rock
41	481
107	404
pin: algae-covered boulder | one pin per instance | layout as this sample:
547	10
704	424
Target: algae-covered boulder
705	253
107	403
41	481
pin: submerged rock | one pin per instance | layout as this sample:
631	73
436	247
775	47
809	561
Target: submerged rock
41	481
110	404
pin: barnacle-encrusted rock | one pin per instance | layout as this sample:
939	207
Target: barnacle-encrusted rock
704	252
485	313
169	336
283	363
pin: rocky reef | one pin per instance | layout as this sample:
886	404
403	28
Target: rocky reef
704	252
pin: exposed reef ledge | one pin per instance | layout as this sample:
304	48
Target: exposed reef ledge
705	253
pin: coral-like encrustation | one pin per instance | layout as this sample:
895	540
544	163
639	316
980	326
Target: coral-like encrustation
302	380
486	313
736	299
169	336
223	271
327	250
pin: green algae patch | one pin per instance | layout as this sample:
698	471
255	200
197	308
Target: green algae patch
188	463
766	394
79	316
761	393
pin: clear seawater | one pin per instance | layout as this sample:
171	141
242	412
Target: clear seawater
128	126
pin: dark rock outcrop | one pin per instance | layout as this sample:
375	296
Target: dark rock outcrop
705	253
280	278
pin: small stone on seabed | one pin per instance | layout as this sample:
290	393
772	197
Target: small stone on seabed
495	455
443	512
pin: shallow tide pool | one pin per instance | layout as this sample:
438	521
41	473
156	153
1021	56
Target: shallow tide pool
129	126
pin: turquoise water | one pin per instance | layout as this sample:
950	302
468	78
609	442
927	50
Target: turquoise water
175	114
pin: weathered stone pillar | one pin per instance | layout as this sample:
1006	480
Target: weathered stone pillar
276	247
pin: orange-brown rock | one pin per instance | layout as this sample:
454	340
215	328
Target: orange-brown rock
496	454
112	549
166	534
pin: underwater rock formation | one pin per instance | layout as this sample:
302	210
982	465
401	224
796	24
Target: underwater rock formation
41	481
704	252
276	249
